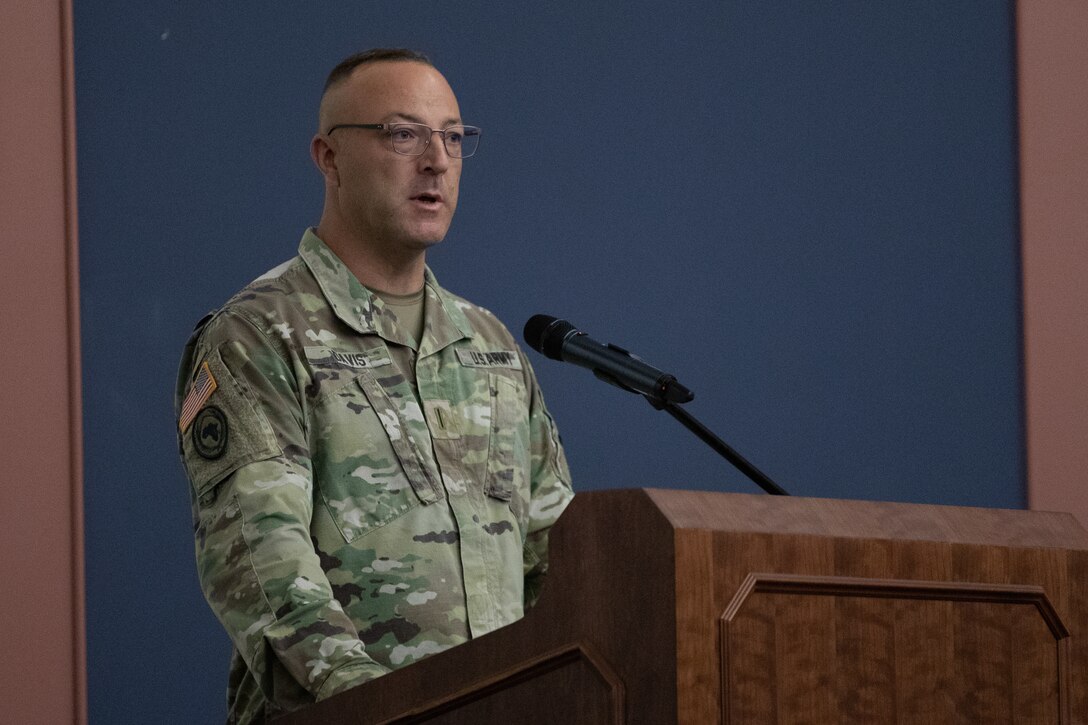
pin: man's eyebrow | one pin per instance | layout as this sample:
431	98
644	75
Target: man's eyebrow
416	119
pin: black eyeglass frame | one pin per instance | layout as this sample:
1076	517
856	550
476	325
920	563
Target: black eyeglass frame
389	127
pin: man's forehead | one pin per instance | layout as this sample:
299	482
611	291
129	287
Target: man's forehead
389	88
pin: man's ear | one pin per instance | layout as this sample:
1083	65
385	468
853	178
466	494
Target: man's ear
324	156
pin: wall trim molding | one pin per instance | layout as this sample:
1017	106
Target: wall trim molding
1052	62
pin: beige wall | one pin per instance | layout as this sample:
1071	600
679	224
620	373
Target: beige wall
1053	94
41	534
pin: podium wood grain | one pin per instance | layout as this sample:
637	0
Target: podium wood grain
695	607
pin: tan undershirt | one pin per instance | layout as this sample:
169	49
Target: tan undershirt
408	309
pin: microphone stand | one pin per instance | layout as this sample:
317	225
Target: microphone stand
549	336
720	446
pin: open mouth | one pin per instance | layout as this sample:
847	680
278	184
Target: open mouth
428	198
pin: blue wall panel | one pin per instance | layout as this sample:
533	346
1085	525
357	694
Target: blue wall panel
805	211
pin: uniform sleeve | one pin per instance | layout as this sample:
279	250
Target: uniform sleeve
246	455
550	487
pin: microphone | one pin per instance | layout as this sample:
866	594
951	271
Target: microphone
560	340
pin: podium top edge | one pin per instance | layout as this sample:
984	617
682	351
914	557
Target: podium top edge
843	518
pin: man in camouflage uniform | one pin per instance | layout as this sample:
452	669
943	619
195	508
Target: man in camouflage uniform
373	470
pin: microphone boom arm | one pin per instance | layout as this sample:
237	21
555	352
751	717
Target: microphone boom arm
721	447
560	340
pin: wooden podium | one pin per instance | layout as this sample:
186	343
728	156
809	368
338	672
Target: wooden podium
696	608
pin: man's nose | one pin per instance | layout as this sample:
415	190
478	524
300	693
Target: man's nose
435	160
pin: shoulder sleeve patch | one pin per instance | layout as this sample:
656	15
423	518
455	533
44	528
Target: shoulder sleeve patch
209	454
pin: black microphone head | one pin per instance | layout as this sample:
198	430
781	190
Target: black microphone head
534	330
545	334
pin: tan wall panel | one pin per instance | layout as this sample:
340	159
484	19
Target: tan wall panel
41	603
1053	96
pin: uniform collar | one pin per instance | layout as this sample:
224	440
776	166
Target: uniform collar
443	320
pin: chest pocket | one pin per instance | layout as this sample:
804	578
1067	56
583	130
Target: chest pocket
370	469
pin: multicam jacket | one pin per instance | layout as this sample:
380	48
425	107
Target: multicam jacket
358	505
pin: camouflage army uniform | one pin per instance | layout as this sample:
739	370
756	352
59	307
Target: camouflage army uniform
358	506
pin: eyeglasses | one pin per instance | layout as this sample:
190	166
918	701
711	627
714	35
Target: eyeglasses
412	139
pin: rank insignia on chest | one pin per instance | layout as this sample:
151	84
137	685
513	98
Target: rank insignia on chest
202	388
494	359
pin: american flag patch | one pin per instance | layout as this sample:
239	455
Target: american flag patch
201	389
